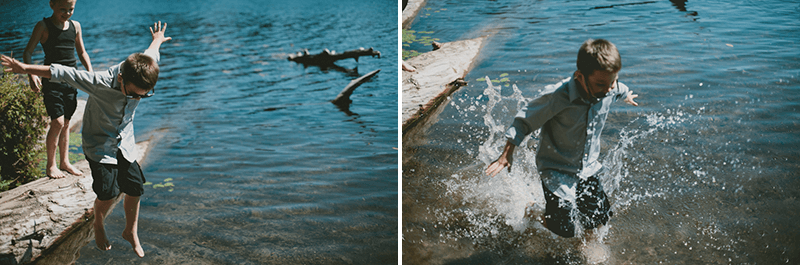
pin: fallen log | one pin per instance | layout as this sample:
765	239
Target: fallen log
343	99
327	57
435	78
410	11
48	220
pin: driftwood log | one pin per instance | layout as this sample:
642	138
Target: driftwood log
343	99
327	57
435	79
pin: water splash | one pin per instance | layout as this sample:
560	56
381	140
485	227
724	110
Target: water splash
490	205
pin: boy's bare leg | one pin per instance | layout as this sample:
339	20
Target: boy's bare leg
56	126
100	211
132	223
63	148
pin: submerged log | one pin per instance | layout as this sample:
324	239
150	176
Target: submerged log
328	57
343	99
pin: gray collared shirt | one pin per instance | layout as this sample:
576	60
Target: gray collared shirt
108	118
569	143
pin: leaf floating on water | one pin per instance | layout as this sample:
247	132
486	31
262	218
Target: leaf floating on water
729	45
503	74
481	79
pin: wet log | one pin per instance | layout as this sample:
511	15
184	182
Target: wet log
435	78
343	99
327	57
410	11
48	220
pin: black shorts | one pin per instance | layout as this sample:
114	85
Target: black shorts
60	99
593	208
109	180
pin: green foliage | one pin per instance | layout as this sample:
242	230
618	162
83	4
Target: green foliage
409	38
22	123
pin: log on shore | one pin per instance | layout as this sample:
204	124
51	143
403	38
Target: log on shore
329	57
410	12
48	220
436	78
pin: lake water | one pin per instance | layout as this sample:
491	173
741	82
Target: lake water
262	167
704	171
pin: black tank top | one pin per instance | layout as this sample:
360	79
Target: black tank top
60	45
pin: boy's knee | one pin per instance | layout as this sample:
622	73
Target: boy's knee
58	123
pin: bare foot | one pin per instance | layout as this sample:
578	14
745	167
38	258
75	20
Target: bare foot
134	240
100	238
71	169
595	252
54	173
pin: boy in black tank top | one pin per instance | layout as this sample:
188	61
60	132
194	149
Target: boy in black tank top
60	38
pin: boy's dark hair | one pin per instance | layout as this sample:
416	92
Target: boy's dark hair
141	70
598	54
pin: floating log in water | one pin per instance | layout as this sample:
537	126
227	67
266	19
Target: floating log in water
343	99
328	57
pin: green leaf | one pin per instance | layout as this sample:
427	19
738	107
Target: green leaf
167	179
481	79
148	183
503	74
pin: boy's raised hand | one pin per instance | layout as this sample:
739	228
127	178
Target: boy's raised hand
630	97
158	32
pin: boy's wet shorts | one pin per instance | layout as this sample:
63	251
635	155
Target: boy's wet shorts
109	180
593	208
60	99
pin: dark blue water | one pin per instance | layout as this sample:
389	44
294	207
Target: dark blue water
704	171
263	168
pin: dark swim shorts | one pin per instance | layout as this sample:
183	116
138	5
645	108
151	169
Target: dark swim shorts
593	208
109	180
60	99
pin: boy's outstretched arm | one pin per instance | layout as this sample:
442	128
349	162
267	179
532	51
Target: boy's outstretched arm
505	160
23	68
158	35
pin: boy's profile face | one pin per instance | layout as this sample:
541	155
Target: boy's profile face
62	9
132	91
599	83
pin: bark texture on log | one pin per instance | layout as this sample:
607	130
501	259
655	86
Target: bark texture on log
433	80
410	12
48	220
329	57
